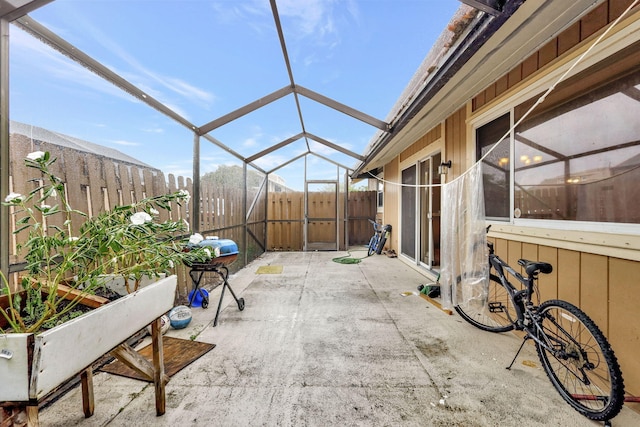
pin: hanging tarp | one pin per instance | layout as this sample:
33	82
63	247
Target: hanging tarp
465	269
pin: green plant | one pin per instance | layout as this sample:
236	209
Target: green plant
126	241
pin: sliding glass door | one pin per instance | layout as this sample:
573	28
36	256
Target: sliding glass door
420	215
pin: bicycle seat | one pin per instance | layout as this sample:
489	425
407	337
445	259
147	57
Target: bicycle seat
533	267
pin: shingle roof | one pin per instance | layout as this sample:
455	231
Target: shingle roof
45	135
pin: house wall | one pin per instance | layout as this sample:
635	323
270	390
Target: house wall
391	211
597	271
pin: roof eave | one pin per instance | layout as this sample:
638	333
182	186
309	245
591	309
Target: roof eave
489	42
483	28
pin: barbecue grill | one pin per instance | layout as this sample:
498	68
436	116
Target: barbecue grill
228	254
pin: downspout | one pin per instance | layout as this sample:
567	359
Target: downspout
5	232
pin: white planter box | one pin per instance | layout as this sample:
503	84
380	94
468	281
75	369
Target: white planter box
116	282
40	363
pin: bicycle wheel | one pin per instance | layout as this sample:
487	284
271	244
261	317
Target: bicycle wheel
580	362
380	245
372	245
494	313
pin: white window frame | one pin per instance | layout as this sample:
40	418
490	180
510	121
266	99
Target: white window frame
530	88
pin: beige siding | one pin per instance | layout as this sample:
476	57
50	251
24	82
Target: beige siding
593	288
589	269
456	142
564	42
548	283
624	320
392	201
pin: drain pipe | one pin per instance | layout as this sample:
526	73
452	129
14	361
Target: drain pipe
4	146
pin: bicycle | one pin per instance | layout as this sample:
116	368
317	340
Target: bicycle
573	351
379	238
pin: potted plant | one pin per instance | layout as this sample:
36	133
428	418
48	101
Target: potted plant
45	343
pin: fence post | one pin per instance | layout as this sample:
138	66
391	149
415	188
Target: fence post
195	197
244	213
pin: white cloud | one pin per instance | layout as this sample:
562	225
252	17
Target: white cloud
271	161
153	130
146	79
250	142
126	143
29	52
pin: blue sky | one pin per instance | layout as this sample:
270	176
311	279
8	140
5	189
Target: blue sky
205	59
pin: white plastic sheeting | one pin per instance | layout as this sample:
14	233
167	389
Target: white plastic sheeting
465	267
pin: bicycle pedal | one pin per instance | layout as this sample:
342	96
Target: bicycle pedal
496	307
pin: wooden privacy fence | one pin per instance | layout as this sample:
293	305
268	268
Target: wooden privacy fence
286	210
95	183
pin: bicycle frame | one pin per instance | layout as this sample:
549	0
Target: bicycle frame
520	298
573	351
380	236
527	316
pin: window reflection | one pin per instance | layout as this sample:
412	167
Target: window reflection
581	160
495	167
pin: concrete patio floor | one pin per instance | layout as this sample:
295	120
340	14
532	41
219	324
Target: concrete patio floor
329	344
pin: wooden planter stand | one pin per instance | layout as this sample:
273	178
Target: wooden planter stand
32	366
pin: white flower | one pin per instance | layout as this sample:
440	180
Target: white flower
170	264
196	238
140	218
13	198
36	155
154	211
208	252
54	194
185	195
74	239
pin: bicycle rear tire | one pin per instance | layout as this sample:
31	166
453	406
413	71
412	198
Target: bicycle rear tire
584	369
493	313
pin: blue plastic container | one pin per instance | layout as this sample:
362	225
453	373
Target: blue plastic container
227	246
228	250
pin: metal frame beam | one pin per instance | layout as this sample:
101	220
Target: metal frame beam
324	100
288	162
334	146
220	121
48	37
330	161
10	10
275	147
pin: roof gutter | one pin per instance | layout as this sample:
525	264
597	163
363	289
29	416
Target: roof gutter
485	27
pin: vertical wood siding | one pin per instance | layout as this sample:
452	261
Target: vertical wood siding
591	23
606	288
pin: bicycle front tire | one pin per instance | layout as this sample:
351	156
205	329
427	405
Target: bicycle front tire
493	313
380	244
581	365
372	245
